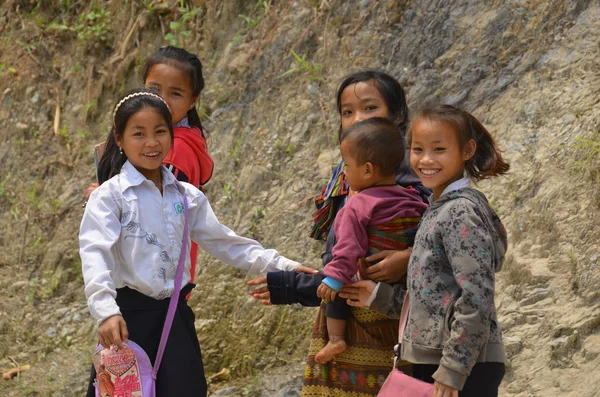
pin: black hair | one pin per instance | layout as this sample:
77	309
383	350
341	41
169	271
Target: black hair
132	102
188	63
487	160
389	88
377	141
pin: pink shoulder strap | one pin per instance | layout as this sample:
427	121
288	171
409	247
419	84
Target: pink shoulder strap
403	317
403	321
176	290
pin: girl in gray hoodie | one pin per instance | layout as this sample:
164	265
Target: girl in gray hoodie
452	334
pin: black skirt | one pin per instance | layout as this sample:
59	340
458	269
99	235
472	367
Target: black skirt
181	372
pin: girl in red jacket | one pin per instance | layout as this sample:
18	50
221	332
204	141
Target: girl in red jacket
176	75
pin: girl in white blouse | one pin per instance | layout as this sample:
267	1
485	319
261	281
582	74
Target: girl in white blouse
130	242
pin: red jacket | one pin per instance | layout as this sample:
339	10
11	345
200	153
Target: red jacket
190	156
190	163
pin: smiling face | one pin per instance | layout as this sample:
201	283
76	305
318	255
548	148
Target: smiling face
174	86
436	154
146	140
361	101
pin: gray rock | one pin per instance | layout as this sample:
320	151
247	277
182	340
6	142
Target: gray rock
313	88
228	391
51	332
538	295
512	345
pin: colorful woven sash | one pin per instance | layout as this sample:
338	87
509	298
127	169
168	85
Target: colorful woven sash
397	234
323	217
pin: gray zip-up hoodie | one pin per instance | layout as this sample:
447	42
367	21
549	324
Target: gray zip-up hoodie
452	321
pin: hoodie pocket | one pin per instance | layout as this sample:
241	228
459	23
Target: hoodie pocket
448	320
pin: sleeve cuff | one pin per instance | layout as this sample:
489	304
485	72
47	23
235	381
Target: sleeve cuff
450	377
103	309
333	283
277	288
388	300
287	265
372	296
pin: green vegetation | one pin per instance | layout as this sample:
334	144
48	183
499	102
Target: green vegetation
94	26
227	189
91	28
260	10
302	65
181	28
4	69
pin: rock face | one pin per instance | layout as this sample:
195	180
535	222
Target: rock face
526	69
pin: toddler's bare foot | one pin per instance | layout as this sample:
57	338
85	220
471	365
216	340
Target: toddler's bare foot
332	348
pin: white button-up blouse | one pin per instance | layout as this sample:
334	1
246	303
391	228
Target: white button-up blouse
131	236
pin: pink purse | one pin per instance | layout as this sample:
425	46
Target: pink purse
128	371
398	384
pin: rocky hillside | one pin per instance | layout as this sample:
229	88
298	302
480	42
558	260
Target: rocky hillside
527	68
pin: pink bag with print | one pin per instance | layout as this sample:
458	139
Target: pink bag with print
123	372
127	372
398	384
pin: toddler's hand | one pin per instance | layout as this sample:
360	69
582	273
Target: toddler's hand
113	331
326	292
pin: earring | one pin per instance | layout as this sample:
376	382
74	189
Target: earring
120	150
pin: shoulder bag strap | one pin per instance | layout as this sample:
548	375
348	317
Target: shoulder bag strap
176	290
403	321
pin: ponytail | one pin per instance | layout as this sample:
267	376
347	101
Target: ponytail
111	161
194	120
487	160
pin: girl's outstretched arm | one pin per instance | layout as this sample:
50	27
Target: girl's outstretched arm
99	231
287	287
222	243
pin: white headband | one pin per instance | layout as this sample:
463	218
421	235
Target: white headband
128	97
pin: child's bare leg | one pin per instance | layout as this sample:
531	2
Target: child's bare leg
336	329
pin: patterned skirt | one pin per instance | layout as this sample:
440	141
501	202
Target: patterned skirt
360	370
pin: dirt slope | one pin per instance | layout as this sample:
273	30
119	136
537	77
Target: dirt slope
527	69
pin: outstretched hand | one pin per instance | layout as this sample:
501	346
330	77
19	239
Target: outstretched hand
262	293
357	294
113	331
392	266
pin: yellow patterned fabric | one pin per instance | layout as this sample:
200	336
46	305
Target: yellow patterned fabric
363	315
361	370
